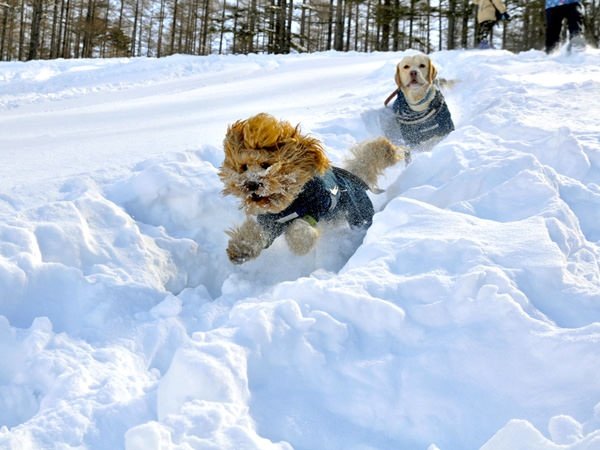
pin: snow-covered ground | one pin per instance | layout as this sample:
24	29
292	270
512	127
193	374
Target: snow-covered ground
467	317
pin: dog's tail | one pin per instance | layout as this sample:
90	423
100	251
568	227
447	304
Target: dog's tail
370	158
445	84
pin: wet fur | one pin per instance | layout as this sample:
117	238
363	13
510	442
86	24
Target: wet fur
274	154
268	162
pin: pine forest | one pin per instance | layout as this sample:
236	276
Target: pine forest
46	29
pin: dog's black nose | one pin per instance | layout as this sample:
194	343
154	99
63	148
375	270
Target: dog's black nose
252	186
413	73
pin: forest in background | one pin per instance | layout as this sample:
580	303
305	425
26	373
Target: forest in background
48	29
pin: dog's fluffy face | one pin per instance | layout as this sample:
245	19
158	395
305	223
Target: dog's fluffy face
414	76
267	162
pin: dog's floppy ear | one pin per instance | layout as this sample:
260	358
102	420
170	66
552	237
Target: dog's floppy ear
432	74
234	138
397	75
313	154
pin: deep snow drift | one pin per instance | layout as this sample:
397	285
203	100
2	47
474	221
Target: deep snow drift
467	317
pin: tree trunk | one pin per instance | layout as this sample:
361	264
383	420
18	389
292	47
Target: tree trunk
329	26
55	35
451	24
136	14
338	41
222	29
65	41
348	26
411	23
161	22
356	25
466	14
384	44
440	25
22	32
174	27
396	25
281	27
288	27
5	10
88	30
36	20
77	50
367	28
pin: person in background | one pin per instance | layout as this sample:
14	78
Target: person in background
488	14
556	12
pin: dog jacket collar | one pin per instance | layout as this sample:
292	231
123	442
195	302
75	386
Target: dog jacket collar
428	96
419	126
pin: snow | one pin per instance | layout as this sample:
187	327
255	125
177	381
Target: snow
467	317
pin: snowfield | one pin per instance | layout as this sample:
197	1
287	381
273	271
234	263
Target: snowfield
467	317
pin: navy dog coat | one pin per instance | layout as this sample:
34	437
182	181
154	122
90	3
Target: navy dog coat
336	194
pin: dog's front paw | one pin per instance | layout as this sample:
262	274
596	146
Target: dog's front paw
240	251
245	243
301	236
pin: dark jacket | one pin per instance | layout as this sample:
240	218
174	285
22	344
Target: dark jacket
336	194
417	127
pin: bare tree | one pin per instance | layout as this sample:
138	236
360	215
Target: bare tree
338	39
36	20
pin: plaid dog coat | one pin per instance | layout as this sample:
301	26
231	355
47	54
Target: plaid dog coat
419	126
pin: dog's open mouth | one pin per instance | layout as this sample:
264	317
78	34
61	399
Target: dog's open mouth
272	203
259	204
260	200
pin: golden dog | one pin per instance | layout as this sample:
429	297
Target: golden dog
286	184
420	108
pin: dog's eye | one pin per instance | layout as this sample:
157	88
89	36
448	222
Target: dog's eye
265	165
422	66
243	167
406	66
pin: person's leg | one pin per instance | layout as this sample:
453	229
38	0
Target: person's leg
554	18
480	32
485	29
574	19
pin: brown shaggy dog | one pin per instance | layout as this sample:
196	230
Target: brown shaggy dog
286	184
